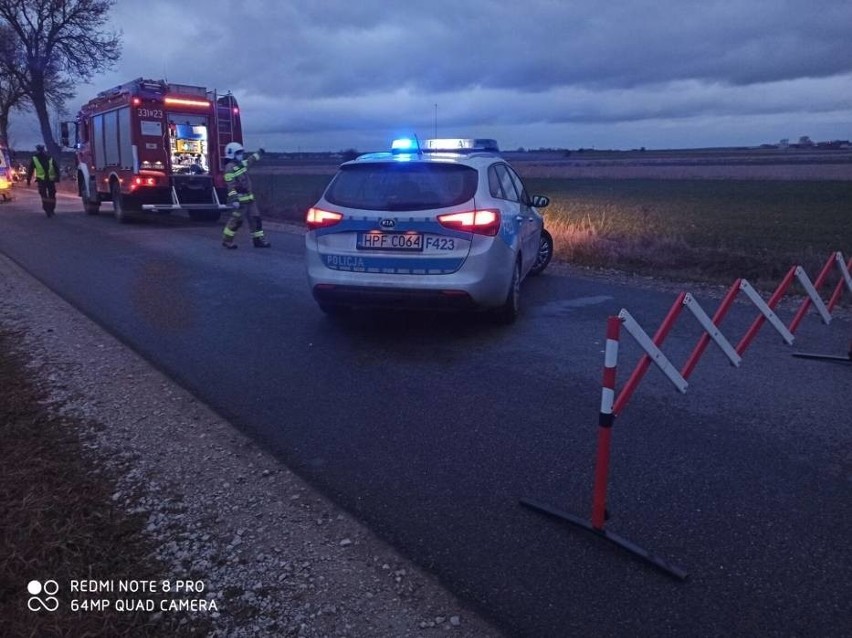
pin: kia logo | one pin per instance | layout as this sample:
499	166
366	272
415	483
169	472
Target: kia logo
387	223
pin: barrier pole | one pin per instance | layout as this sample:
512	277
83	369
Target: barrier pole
773	301
806	303
607	416
838	289
613	326
642	367
718	316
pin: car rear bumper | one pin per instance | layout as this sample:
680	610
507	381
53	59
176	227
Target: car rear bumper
393	298
482	281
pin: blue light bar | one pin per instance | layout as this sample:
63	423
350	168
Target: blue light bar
405	145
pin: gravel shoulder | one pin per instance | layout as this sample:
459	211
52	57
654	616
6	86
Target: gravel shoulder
276	556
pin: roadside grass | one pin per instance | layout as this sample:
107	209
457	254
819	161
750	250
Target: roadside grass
287	197
59	521
710	230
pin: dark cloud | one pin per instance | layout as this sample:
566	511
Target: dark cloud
307	69
334	47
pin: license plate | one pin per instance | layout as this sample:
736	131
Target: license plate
390	241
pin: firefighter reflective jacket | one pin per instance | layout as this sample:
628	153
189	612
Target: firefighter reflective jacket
37	168
238	181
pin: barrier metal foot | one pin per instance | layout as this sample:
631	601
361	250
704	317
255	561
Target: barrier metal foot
655	561
823	357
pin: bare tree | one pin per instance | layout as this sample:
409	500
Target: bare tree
12	94
60	41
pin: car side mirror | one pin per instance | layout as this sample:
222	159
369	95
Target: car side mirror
540	201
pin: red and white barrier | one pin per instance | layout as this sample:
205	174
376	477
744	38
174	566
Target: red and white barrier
612	403
605	422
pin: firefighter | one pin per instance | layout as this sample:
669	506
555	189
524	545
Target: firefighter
240	196
46	173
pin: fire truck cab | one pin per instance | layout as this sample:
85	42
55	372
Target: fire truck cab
154	146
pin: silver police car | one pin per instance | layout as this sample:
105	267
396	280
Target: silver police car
443	223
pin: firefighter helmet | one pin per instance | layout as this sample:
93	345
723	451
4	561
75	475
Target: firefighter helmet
232	149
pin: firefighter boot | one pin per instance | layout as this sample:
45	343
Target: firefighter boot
258	239
228	240
230	231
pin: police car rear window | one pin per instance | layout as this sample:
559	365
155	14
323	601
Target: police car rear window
397	186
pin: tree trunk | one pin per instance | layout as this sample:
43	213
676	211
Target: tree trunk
4	127
6	105
39	100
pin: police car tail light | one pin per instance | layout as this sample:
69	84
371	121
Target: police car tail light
319	218
481	222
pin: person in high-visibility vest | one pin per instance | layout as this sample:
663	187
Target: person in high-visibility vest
240	196
46	172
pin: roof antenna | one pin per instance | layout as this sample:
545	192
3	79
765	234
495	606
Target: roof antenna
436	121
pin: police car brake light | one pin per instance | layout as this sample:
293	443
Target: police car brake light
319	218
481	222
461	145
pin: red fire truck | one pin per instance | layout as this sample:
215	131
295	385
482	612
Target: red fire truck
154	146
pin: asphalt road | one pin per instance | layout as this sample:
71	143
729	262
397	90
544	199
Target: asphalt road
430	428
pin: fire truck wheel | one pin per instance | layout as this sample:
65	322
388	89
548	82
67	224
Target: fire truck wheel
91	208
118	204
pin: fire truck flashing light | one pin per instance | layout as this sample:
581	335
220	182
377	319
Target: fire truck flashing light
186	102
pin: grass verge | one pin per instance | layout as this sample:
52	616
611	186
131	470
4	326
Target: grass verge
59	522
707	230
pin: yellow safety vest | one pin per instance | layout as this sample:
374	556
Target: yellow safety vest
39	169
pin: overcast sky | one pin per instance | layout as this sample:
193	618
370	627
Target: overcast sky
325	75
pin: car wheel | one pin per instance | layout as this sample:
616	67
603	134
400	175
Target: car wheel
545	253
508	312
118	204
